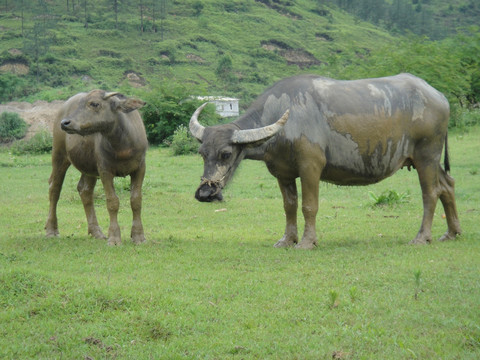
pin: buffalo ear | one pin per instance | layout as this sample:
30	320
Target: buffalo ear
129	104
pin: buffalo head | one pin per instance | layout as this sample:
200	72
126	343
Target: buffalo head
223	147
97	112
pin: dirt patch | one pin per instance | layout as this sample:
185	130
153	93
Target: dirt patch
135	79
15	68
281	7
40	115
15	52
195	58
323	37
299	57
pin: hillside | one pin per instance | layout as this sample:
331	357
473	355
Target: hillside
211	47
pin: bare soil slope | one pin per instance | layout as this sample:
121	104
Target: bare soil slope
39	115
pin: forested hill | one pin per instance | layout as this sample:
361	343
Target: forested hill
50	49
436	19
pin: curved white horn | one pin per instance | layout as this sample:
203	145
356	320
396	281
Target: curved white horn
109	95
253	135
196	129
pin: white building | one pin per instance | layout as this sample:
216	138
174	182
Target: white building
224	106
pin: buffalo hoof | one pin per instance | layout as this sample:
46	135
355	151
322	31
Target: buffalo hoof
285	242
97	233
138	239
420	240
52	233
114	241
306	245
448	236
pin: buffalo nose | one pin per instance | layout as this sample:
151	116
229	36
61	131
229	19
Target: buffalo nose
65	122
204	193
207	193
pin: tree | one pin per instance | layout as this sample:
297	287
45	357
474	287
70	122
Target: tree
37	40
141	17
115	9
224	70
154	26
85	11
197	7
163	16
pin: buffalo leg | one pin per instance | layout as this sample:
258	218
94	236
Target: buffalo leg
113	204
310	178
85	188
290	204
428	176
447	197
137	233
309	209
60	165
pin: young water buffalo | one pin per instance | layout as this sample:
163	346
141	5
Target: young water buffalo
343	132
102	135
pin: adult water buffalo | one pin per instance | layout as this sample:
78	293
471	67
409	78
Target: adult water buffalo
343	132
102	135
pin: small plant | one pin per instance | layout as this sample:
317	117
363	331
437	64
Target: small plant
182	142
353	293
332	299
122	184
12	127
40	143
417	274
389	197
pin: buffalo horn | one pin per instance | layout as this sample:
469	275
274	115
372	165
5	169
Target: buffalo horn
109	95
253	135
196	129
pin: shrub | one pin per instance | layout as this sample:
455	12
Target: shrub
167	108
389	197
462	118
13	86
12	127
182	142
40	143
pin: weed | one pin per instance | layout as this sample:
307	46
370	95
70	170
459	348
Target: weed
389	198
333	299
40	143
417	275
353	294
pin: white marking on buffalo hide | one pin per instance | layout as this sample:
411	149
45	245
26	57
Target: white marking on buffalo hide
380	94
418	105
322	86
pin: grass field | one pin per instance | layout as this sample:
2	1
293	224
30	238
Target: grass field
208	284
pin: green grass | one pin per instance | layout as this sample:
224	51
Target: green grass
209	284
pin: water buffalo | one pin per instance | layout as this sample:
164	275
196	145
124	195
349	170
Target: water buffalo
342	132
102	135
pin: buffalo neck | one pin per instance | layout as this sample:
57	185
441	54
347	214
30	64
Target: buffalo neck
121	139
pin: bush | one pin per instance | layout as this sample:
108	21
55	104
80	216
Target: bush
169	107
389	197
12	127
462	118
40	143
182	142
13	86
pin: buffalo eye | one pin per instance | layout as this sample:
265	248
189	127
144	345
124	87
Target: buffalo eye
225	155
94	105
